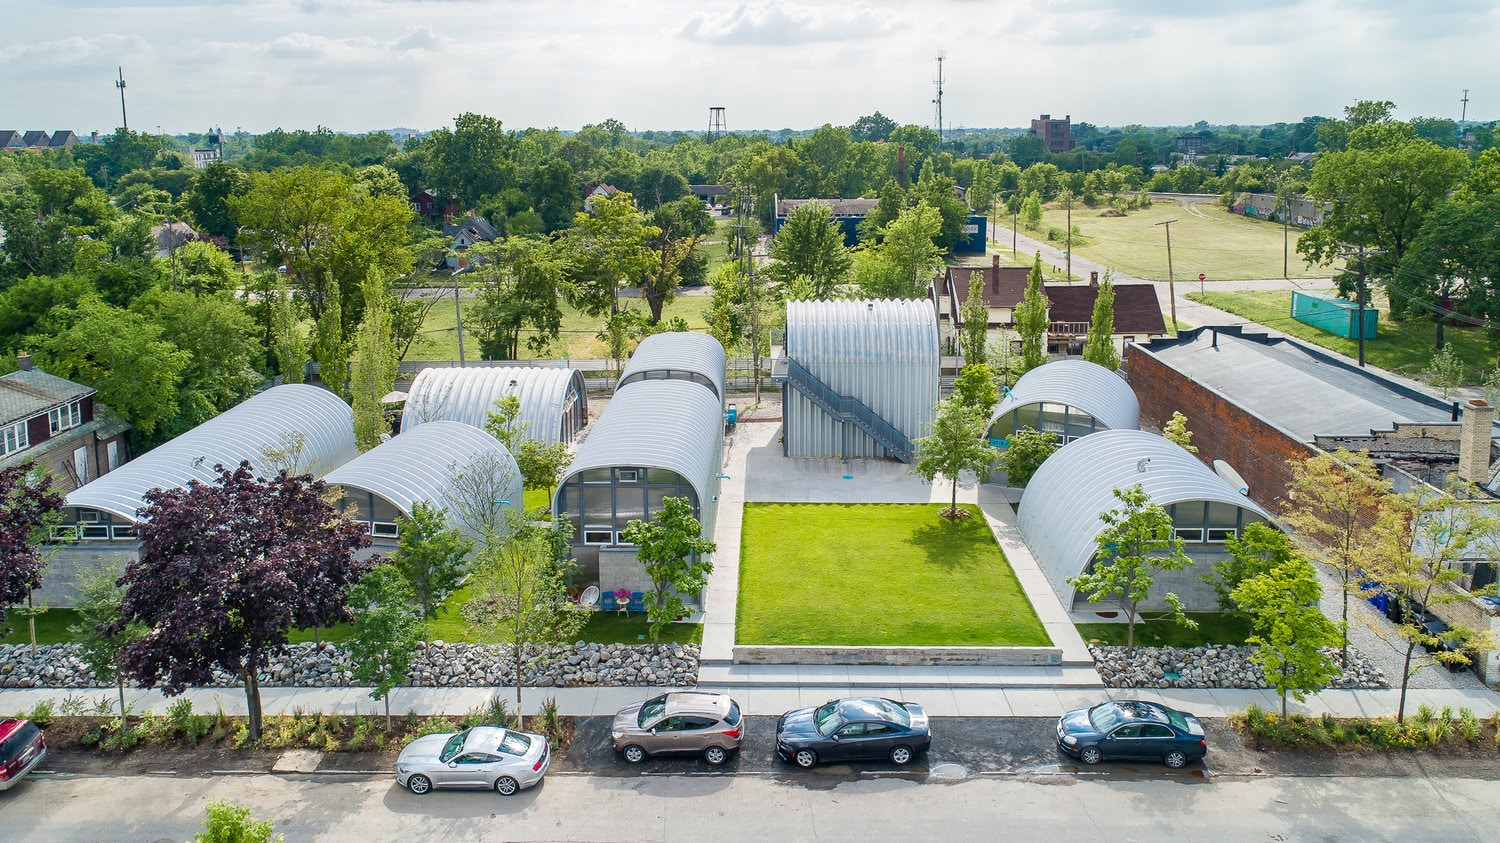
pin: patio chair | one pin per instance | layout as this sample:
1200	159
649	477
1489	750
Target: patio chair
638	602
589	598
607	601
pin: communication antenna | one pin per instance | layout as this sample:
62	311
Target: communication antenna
120	83
938	100
1464	115
715	121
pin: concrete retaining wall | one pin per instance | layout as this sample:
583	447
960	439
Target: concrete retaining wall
908	656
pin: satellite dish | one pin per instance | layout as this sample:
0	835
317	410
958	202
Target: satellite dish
1227	473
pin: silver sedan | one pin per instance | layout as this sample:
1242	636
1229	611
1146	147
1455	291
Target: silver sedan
484	756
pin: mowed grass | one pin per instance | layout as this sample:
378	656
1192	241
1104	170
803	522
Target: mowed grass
1206	239
877	574
1213	628
1405	348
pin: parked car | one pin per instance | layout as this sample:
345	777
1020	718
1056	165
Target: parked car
851	729
506	760
1131	729
680	722
22	747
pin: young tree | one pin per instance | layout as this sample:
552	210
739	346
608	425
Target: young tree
1031	320
957	444
481	490
1100	346
1024	453
226	570
516	283
1137	541
810	245
1031	210
387	632
542	464
503	421
681	225
907	245
606	248
975	333
430	555
1334	500
1258	550
1446	370
673	549
373	366
1289	629
100	632
29	506
975	387
1176	431
288	343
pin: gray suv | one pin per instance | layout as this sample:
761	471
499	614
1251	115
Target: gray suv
681	722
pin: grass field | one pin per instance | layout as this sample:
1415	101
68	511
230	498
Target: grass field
1213	628
877	574
1205	239
1405	348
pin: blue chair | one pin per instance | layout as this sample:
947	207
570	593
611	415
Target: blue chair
607	601
638	601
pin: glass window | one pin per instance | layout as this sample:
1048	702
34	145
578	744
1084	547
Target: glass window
1188	514
1054	418
1223	514
597	507
652	710
514	743
630	504
65	417
596	475
13	438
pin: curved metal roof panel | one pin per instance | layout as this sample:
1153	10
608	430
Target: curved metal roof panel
243	432
681	350
467	395
1059	513
671	424
1078	383
419	465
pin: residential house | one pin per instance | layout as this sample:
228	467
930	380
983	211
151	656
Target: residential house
476	230
52	421
429	206
600	189
1002	289
63	139
36	139
1070	310
11	139
170	237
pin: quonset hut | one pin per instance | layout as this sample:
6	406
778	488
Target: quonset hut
1071	398
662	435
1059	514
420	466
554	403
860	377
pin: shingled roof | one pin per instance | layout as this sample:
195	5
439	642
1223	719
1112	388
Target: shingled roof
839	207
25	393
1003	286
1137	310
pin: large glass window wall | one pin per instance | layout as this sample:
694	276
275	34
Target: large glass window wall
600	502
1067	422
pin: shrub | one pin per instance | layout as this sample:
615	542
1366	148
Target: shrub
552	723
71	706
411	720
119	737
1468	724
41	714
1425	714
242	736
498	713
179	713
91	737
360	737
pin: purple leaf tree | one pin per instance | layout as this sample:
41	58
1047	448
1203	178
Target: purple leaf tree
28	505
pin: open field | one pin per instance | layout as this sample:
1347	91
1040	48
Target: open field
877	574
1205	238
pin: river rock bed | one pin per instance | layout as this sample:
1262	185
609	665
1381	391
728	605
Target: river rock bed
1210	667
311	665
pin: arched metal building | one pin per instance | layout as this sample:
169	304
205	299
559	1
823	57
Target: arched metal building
1059	513
554	403
677	355
1071	398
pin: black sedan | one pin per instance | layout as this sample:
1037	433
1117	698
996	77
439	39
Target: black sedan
853	729
1131	729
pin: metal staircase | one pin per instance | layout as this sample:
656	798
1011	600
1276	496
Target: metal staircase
844	408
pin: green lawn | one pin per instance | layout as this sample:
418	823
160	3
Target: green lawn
51	626
877	574
1213	628
1405	348
1205	238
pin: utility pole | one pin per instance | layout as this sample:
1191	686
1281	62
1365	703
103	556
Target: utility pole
458	311
1463	117
1069	252
120	83
1171	280
1359	296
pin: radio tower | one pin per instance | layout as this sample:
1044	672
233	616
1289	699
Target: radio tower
120	83
938	100
715	121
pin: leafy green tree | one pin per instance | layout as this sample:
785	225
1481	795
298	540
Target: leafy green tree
1024	453
674	551
231	823
727	314
542	464
430	554
941	193
25	305
1031	210
503	421
472	160
387	632
517	282
810	245
1454	262
1446	370
99	617
872	127
680	226
1031	320
222	355
288	343
1100	346
975	387
373	366
907	245
555	195
1136	542
976	325
955	445
607	249
1176	431
205	269
889	206
1258	550
1290	631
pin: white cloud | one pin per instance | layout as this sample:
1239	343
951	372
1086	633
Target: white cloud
787	24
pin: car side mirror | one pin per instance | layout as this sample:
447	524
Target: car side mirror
653	730
834	736
452	763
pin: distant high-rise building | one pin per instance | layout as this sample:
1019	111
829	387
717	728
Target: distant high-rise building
1056	134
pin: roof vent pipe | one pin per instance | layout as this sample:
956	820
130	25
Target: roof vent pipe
1216	338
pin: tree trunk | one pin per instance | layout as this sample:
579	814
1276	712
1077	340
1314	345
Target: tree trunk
1130	630
120	685
1405	680
953	500
1344	627
517	651
387	711
1282	689
252	700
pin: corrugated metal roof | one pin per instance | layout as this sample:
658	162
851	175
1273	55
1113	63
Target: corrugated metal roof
243	432
680	351
419	465
1078	383
1059	514
670	424
468	395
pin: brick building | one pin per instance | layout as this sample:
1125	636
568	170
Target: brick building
1056	134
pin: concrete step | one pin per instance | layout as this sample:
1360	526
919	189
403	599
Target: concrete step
725	674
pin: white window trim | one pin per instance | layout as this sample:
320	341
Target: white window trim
66	417
21	438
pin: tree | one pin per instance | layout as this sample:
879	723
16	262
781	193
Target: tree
521	597
1024	453
674	551
430	555
1454	263
503	421
29	506
207	199
1100	346
100	631
976	325
957	444
231	823
1334	500
472	160
223	357
387	632
1289	629
889	206
1176	431
975	387
1031	210
287	341
810	245
542	464
226	570
517	283
680	226
907	247
554	194
1446	370
1137	541
872	127
1031	320
1258	550
606	248
480	490
941	193
373	367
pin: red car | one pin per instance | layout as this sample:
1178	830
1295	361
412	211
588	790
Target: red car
22	747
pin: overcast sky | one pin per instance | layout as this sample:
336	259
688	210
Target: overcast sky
358	65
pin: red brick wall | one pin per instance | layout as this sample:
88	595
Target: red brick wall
1221	430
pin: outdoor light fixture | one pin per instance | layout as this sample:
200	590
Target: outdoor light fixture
722	477
1140	464
198	460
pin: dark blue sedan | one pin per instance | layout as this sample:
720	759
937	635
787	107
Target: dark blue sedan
1131	729
853	729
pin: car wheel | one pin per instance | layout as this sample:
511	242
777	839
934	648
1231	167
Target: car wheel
634	754
1176	759
419	784
715	755
506	786
901	755
1090	755
805	758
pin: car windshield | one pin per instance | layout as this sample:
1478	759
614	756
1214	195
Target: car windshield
452	747
1105	716
826	718
652	710
514	744
896	713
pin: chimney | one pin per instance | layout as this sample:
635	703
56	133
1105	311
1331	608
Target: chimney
1474	441
23	362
